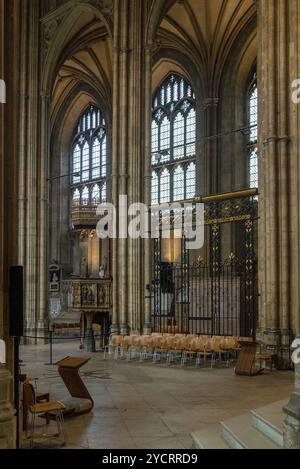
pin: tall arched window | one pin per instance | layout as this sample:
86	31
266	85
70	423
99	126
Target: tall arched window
88	159
252	106
173	141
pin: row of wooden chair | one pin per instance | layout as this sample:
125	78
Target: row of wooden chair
175	348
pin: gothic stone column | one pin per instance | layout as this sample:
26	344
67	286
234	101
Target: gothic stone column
130	266
279	174
9	40
33	139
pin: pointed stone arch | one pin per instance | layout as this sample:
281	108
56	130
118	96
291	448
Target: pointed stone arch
158	10
57	32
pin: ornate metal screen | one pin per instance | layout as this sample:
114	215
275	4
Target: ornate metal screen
214	293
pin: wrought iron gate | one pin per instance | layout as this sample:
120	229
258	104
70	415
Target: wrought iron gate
216	292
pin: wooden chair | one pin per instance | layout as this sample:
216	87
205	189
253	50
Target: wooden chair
40	397
267	353
194	348
147	347
174	349
161	348
38	409
205	351
114	347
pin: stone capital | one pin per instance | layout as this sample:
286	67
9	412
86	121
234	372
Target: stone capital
210	102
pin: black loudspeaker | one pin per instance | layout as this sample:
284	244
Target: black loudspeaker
16	301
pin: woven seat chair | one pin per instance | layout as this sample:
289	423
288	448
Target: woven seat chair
204	351
176	349
146	347
129	351
160	348
267	353
190	349
113	348
38	409
229	345
156	343
216	348
135	347
125	345
171	346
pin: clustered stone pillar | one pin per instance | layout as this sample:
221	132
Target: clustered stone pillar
130	167
146	244
33	155
278	27
9	17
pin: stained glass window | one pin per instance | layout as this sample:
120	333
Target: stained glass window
252	99
165	186
154	198
96	195
76	197
178	184
89	158
85	196
103	193
96	158
173	141
190	180
103	157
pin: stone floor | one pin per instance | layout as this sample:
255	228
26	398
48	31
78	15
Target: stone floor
150	406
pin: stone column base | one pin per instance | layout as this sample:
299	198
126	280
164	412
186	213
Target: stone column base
147	329
7	412
124	329
283	337
291	433
114	329
36	332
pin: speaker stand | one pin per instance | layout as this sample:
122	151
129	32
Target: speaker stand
16	388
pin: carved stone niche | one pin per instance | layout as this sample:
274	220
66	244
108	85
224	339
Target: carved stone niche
50	24
50	29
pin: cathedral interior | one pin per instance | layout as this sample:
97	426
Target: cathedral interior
169	111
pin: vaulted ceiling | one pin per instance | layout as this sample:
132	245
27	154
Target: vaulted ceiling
205	30
87	61
202	31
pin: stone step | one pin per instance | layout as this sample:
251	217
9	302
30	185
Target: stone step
209	437
239	433
269	421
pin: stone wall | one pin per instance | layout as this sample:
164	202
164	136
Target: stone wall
8	236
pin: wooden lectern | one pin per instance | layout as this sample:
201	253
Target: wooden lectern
247	357
68	369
